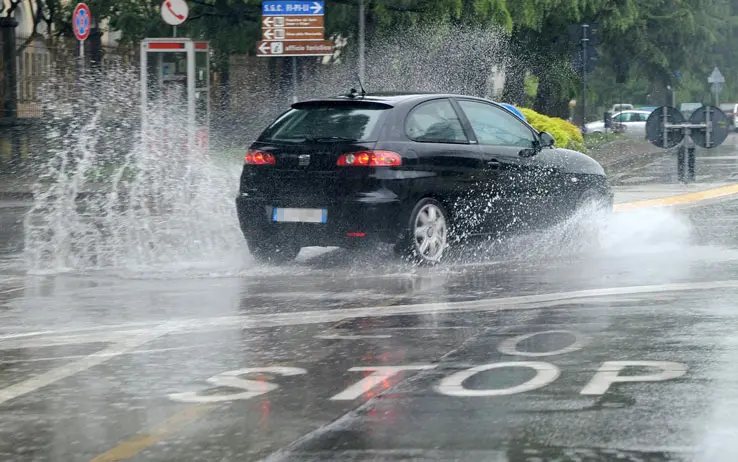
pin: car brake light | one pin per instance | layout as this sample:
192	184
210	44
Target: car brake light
256	157
370	159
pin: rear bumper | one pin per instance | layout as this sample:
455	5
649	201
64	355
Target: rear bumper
375	220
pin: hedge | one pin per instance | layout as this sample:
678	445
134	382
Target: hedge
566	134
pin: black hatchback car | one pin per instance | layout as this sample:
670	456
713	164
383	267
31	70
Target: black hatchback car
420	171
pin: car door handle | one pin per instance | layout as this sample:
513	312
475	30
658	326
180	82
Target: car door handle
493	164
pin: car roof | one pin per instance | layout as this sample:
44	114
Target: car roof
392	98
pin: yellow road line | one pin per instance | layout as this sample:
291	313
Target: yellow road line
133	446
681	199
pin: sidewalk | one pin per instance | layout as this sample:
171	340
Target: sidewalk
623	154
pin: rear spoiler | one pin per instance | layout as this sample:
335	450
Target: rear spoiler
355	103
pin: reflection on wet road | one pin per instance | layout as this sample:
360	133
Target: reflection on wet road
531	350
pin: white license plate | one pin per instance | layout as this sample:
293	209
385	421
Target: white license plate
283	215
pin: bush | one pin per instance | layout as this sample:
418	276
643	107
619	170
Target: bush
566	134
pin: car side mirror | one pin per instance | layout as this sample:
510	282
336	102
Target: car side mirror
547	140
528	152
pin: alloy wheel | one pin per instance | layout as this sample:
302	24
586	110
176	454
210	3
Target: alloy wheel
430	233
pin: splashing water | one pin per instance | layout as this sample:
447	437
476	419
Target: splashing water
113	198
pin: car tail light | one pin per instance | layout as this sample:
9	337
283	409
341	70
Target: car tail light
370	159
256	157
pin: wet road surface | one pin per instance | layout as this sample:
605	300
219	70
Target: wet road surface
530	350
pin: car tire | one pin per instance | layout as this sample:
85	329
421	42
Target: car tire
270	251
427	233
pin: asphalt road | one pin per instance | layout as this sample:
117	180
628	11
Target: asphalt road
531	350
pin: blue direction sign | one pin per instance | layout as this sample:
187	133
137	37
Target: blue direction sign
292	7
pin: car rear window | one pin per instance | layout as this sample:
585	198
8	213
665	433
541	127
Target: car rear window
329	120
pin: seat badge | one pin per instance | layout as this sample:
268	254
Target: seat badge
303	160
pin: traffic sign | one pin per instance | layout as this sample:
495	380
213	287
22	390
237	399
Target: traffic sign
655	127
293	28
81	21
292	21
719	127
716	76
267	48
174	12
304	33
292	7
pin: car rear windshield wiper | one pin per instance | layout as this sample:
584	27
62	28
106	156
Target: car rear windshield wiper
323	139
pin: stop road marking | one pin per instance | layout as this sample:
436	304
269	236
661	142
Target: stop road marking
611	372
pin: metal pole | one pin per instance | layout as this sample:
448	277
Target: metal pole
190	48
362	38
175	31
690	164
584	73
294	79
144	90
673	96
681	153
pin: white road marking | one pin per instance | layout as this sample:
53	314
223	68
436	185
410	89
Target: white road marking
524	302
68	370
453	385
232	379
509	345
610	370
9	291
147	351
349	337
638	179
372	381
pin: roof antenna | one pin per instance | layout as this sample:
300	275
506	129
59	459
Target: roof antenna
361	85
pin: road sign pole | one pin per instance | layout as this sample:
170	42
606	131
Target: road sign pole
584	74
680	162
362	44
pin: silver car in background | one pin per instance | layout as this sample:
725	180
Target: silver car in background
631	122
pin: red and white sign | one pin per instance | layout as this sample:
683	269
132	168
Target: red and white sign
174	12
81	21
174	45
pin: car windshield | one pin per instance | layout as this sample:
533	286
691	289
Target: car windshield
327	122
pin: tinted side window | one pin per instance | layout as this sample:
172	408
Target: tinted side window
622	117
435	122
494	126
